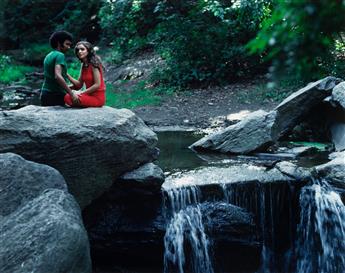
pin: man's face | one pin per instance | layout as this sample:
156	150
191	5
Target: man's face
66	46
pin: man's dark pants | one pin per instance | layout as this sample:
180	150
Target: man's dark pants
52	99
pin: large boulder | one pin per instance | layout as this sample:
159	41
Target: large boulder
333	171
234	236
90	147
292	109
22	180
41	226
45	235
253	133
148	176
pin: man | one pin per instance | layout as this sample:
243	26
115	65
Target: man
55	71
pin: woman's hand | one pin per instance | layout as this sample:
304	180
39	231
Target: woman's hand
75	98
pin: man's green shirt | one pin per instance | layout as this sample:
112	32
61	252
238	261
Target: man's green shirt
50	84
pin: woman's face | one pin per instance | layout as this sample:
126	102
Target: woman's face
82	52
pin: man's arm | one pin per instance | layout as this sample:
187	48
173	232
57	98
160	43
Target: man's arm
63	84
77	84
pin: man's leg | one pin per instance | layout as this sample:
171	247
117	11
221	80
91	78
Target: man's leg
52	99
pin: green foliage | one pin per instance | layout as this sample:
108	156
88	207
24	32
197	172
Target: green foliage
81	19
201	41
30	22
126	24
142	94
74	68
272	91
299	37
4	61
11	72
34	53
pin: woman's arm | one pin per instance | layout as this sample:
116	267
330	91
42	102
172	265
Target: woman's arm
77	84
97	81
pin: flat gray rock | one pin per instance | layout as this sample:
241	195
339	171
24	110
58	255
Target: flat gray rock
243	173
90	147
149	176
334	171
253	133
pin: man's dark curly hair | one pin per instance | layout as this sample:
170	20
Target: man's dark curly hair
59	37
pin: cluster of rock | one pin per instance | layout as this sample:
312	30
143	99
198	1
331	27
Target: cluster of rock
99	160
259	130
41	225
72	156
17	96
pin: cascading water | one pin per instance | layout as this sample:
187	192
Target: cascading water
186	231
321	244
265	202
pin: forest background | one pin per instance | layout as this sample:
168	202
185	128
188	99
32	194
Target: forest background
202	42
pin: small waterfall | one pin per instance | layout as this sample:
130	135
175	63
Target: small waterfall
321	244
264	200
185	232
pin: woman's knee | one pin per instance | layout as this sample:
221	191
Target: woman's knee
68	99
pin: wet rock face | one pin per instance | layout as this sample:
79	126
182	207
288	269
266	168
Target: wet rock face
90	147
45	235
338	94
41	226
334	171
271	195
22	181
234	236
148	176
128	223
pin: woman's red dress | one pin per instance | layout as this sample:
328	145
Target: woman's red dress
95	99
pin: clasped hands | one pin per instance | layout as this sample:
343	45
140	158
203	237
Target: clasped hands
75	97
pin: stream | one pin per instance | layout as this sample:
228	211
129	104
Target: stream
302	229
268	227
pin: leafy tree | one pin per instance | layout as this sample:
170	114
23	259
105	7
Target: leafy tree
32	21
29	21
126	23
300	37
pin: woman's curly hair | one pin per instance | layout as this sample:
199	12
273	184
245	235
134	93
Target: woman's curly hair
92	58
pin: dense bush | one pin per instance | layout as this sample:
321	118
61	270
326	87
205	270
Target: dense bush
204	42
201	41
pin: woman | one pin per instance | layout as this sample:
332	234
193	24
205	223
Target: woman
91	74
